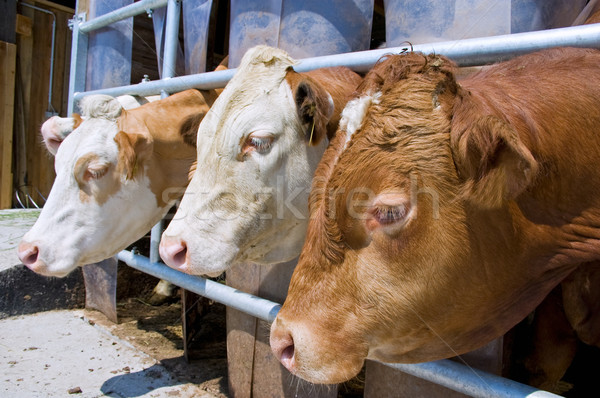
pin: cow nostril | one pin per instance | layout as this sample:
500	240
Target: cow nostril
287	357
181	256
174	253
28	254
282	345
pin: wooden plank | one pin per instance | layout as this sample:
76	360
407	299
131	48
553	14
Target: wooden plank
241	332
8	60
270	378
52	6
24	25
39	164
34	169
23	83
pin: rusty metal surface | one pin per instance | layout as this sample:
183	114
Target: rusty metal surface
101	287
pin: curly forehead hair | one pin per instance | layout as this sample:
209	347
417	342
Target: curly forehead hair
392	68
407	83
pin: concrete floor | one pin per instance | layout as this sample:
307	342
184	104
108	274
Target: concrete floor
60	353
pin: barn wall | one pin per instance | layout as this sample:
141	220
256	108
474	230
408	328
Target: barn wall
32	166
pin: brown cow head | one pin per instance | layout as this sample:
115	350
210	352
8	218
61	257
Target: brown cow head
400	263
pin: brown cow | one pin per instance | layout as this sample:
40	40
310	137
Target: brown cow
445	212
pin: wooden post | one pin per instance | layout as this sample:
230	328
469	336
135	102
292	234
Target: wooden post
254	372
8	59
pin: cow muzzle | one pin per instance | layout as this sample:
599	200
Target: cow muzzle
29	254
306	354
174	253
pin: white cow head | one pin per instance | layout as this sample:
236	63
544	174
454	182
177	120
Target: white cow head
257	150
107	191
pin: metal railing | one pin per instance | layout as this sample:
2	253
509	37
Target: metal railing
468	52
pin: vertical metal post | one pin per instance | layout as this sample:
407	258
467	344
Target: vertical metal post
171	38
168	70
79	55
155	234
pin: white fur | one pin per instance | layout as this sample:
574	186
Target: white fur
253	209
70	232
355	112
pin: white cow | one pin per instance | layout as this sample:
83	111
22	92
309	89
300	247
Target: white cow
257	151
56	128
117	174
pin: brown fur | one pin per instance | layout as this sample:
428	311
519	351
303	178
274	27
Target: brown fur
160	122
501	171
77	120
310	93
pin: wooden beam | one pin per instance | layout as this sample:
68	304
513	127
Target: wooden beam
51	5
8	61
24	25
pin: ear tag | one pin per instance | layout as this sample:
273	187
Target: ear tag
135	169
312	130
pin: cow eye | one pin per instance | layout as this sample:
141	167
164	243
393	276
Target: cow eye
90	167
258	143
390	212
95	171
387	215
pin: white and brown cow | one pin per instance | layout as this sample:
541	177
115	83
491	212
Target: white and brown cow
117	174
56	128
257	151
444	213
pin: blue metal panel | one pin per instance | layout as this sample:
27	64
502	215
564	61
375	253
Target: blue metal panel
196	16
303	28
109	48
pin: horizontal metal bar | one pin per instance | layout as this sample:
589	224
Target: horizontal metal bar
255	306
469	381
131	10
204	81
468	52
450	374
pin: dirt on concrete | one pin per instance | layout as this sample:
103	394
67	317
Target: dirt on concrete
157	331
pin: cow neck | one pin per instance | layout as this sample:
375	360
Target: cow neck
172	158
557	219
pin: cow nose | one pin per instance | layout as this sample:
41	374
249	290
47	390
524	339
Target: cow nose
174	253
282	345
28	254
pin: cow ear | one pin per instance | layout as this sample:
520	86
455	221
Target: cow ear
189	128
493	162
77	120
134	150
315	107
56	129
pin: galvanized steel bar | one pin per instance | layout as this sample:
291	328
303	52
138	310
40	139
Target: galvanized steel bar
468	52
469	381
79	55
171	41
255	306
447	373
168	71
205	81
131	10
